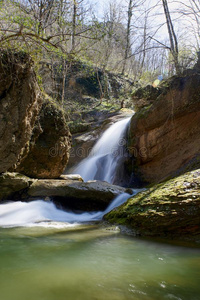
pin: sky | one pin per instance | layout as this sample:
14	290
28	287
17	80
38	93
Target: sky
157	18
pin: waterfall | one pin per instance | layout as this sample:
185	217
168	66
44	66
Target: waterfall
102	164
106	155
46	214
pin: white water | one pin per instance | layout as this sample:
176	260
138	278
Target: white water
105	156
46	214
101	164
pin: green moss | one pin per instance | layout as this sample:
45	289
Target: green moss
143	112
77	126
169	208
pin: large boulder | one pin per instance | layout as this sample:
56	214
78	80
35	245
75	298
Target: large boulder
49	146
20	103
164	139
169	209
85	196
69	191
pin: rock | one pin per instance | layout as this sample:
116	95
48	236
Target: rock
83	79
170	209
35	139
85	196
20	102
164	139
49	146
69	191
75	177
144	97
11	183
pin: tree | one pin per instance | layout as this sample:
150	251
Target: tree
190	12
128	33
50	23
112	43
74	24
132	4
172	36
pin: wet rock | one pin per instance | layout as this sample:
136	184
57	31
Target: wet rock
170	209
11	183
85	196
75	177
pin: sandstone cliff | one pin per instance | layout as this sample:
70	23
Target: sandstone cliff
164	137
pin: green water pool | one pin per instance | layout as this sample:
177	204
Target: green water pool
93	262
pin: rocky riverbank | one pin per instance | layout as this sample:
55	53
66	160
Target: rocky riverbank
169	210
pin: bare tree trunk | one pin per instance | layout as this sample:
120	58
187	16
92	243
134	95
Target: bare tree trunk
64	71
172	37
100	86
74	24
40	17
144	41
128	33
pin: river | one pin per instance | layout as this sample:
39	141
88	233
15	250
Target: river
50	254
93	261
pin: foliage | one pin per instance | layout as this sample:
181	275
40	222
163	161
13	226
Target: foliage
59	31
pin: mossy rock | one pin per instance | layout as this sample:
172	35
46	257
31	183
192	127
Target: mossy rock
76	127
148	92
169	209
145	96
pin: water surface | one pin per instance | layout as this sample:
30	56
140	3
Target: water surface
93	262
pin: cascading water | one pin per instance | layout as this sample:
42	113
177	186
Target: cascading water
101	164
106	155
46	214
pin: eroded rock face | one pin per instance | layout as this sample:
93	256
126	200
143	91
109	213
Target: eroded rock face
166	137
49	146
169	209
20	103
